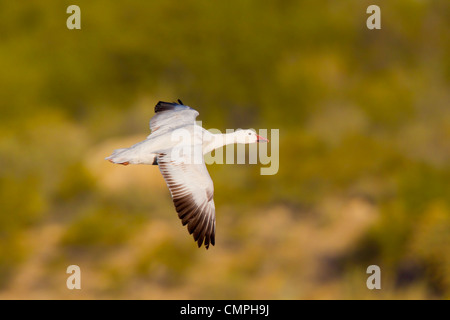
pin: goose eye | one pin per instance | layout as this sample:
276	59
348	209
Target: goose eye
249	133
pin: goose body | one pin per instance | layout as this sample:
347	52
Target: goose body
177	145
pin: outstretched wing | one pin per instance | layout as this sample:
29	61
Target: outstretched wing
192	192
170	115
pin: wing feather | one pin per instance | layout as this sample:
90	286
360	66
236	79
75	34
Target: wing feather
169	116
192	192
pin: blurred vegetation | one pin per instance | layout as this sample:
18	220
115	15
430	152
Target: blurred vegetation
364	123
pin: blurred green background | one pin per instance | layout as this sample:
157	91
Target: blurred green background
364	120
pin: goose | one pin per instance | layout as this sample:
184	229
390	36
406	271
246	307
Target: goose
181	163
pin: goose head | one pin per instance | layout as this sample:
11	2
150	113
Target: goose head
248	136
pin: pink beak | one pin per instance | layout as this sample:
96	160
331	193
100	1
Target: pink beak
261	139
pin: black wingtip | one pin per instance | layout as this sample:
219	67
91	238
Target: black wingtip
200	244
207	242
165	106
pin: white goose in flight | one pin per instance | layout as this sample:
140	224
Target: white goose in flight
181	163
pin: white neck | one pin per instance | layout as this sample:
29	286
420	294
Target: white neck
213	141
